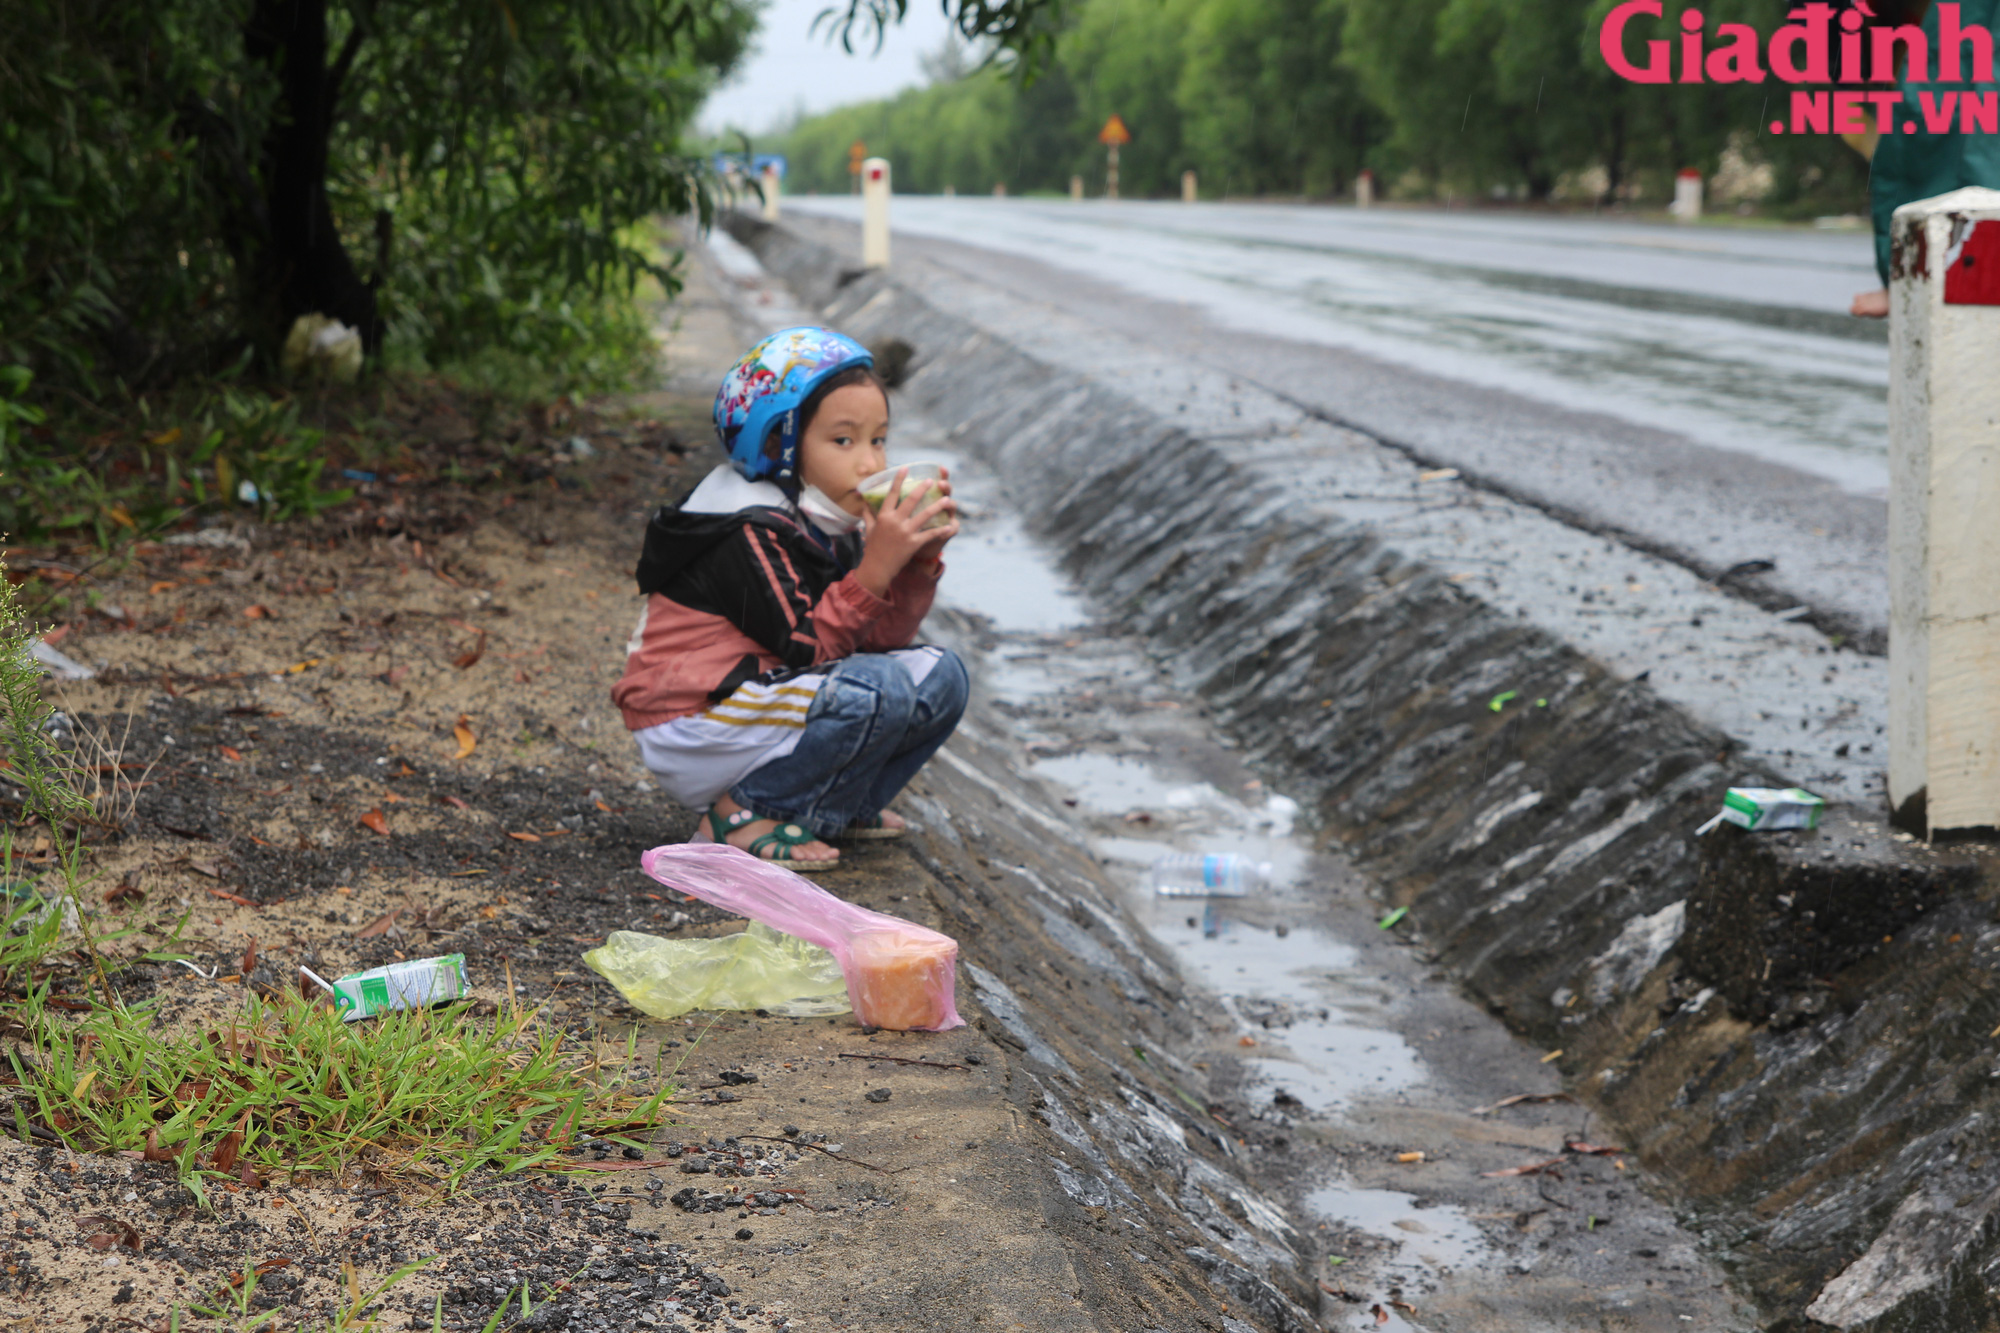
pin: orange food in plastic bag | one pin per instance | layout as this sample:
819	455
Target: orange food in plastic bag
899	974
901	980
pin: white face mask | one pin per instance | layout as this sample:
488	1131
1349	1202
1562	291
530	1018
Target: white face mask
827	516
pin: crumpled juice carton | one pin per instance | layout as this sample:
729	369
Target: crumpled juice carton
1767	808
416	984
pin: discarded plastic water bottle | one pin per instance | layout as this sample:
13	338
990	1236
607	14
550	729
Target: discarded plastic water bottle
1194	875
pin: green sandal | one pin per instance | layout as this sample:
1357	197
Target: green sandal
782	840
871	829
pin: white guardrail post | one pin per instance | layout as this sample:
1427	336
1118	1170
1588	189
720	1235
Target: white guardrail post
1944	513
875	213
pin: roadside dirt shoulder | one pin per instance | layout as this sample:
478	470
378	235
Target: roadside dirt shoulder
387	735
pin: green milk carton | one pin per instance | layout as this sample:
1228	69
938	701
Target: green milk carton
416	984
1765	808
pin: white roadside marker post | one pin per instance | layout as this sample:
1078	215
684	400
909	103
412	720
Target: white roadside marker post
1076	189
1944	496
1188	194
875	213
771	189
1687	196
1364	190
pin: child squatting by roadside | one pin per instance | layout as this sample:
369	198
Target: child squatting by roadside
773	681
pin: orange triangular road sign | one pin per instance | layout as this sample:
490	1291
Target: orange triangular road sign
1114	132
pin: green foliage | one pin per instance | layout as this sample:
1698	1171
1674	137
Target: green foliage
965	134
33	761
1021	33
293	1089
187	452
487	167
361	1312
497	158
113	259
1124	57
484	164
1267	105
1295	97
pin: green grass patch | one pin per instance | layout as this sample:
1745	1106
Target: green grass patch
359	1312
94	477
292	1090
286	1088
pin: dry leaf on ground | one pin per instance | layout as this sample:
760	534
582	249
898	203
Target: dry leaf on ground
1531	1169
1591	1149
1522	1099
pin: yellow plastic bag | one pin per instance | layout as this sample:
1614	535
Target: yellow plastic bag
757	969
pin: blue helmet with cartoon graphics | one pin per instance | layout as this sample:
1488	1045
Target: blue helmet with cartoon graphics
757	408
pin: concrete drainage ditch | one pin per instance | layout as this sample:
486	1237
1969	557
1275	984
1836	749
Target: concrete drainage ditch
1356	1093
1793	1031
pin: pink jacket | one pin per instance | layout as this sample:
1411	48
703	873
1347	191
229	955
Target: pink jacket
752	595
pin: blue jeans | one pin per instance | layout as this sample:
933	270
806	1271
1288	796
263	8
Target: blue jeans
869	730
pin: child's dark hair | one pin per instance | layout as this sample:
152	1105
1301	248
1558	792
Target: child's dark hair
838	380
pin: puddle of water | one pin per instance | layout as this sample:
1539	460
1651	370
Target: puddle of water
994	567
1298	997
995	571
1113	785
1429	1241
1318	1047
1018	679
1121	785
733	259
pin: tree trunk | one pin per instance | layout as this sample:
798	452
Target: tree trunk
1614	159
300	266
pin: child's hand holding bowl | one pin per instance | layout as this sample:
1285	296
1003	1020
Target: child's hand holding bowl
910	515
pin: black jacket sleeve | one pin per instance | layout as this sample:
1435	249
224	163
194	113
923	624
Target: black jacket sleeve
765	581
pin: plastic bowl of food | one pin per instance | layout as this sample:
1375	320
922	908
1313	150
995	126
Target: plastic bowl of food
918	477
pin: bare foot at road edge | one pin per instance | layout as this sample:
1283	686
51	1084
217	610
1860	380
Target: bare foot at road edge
742	836
1871	305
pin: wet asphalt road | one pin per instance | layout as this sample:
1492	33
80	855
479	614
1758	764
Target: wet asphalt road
1696	392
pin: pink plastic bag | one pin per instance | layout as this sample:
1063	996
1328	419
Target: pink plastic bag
899	974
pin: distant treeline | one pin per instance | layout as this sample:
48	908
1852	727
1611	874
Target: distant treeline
1493	98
